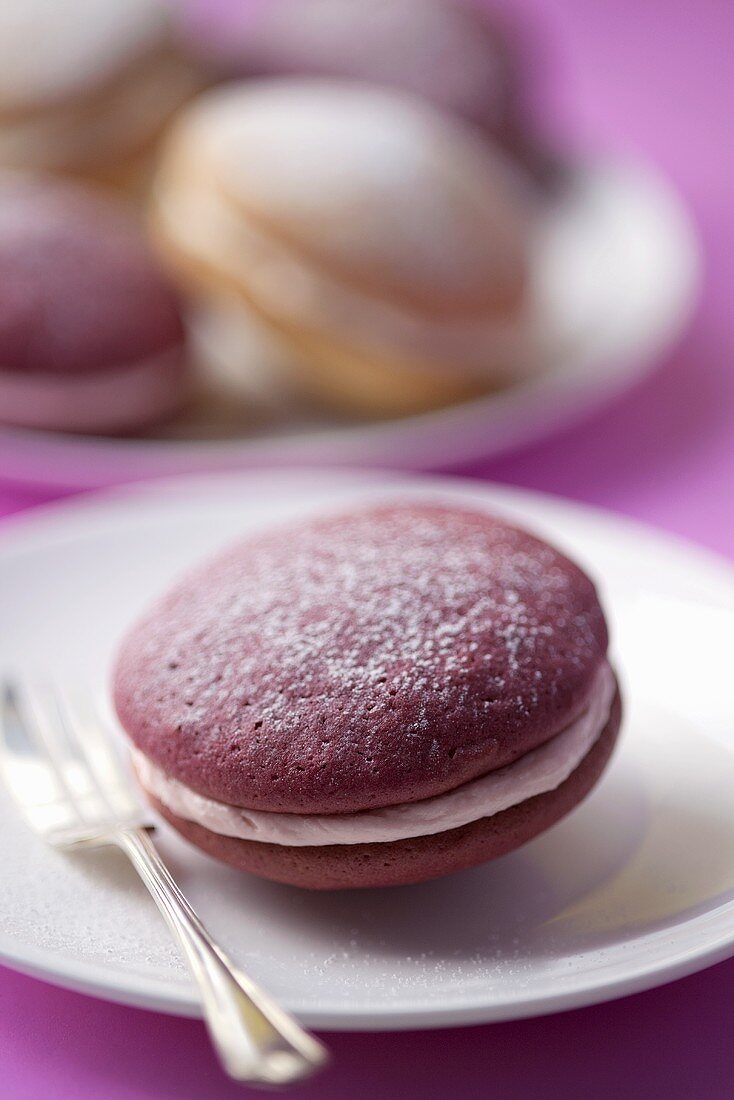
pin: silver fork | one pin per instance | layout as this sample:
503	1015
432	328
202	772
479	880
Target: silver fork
72	789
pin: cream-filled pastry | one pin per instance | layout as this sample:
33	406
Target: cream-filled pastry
383	242
86	86
91	334
371	698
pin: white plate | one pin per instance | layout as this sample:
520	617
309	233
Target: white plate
615	280
634	888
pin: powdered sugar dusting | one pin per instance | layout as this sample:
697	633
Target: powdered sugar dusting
370	658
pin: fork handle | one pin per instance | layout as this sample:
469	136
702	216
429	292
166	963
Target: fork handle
257	1041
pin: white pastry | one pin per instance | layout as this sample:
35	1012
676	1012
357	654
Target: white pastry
105	77
363	225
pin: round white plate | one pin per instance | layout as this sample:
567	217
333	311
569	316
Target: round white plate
634	888
615	278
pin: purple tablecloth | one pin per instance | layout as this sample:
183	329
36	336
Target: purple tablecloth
655	78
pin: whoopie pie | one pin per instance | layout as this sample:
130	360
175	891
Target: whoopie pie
91	334
371	698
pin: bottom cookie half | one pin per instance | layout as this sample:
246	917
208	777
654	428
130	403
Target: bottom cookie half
346	866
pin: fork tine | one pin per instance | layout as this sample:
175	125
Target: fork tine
85	733
103	721
20	747
61	752
55	735
74	745
61	766
33	718
12	728
32	767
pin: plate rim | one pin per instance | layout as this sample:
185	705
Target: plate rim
91	980
35	526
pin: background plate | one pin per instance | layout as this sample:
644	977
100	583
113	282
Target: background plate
635	887
615	280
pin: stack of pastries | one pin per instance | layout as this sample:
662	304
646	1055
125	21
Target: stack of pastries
367	215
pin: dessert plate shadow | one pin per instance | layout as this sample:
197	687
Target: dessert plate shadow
614	280
632	889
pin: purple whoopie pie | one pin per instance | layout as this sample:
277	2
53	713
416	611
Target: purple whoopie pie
371	698
91	336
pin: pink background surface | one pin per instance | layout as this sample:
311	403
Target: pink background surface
647	77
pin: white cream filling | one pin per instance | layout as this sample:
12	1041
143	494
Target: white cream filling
541	770
289	289
125	397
